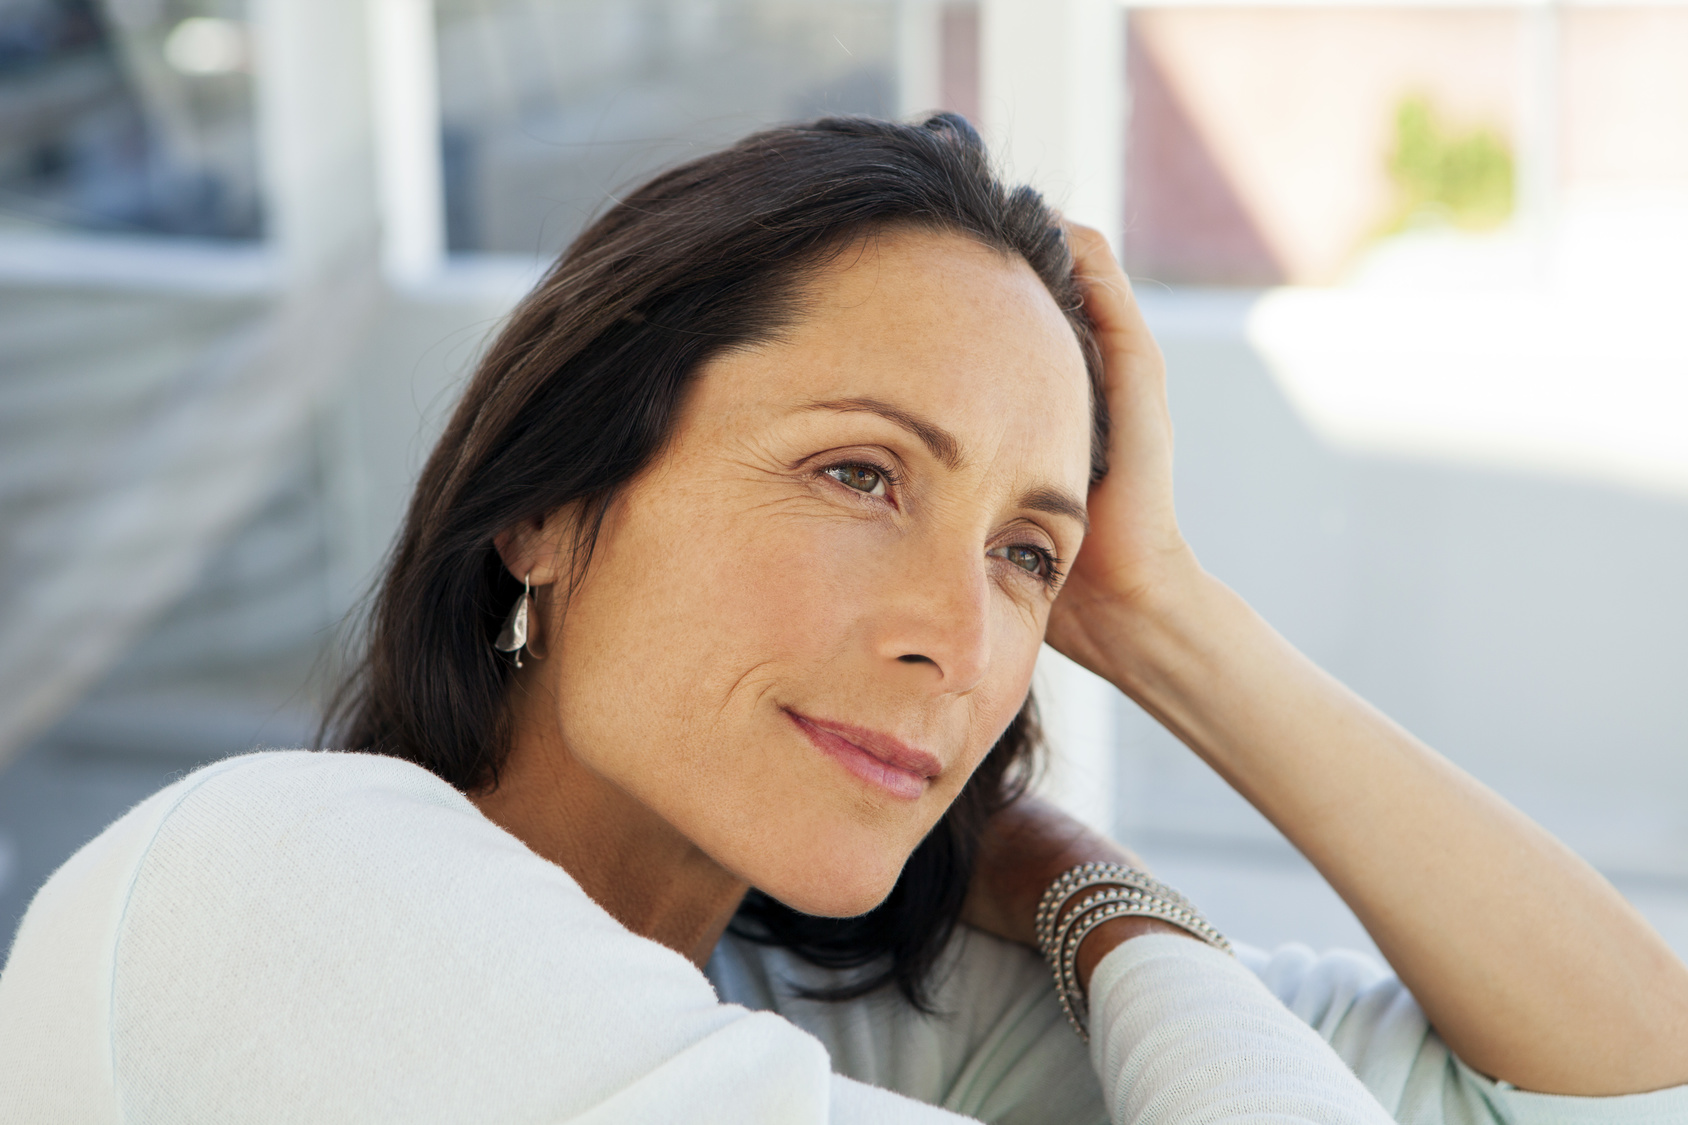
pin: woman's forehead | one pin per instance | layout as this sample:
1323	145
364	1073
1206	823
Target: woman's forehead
935	285
943	327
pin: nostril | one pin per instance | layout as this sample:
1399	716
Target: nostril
915	658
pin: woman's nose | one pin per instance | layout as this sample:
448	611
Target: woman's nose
938	616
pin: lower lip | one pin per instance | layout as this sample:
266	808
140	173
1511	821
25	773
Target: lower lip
897	782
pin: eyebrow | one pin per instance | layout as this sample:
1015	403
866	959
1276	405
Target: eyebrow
934	437
943	445
1056	503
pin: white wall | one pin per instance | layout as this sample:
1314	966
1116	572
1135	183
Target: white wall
1532	626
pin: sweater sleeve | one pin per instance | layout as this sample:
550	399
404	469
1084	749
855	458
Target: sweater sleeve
1183	1033
1180	1032
1377	1028
344	938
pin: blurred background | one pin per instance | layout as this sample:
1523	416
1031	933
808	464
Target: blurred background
1417	268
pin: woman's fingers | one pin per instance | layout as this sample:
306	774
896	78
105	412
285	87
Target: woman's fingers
1134	545
1109	301
1134	373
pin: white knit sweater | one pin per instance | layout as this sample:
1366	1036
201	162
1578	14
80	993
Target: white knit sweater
344	938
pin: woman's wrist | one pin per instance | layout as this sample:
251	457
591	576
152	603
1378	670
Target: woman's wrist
1083	901
1147	640
1044	880
1026	847
1112	934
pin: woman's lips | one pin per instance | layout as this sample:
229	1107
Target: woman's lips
879	759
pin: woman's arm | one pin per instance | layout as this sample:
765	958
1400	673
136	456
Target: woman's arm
1179	1031
1530	965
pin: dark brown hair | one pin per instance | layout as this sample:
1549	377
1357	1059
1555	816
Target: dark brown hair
579	392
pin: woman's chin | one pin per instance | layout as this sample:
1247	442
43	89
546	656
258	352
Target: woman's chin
831	906
830	893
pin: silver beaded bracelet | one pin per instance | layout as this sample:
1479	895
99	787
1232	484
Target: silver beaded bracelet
1122	892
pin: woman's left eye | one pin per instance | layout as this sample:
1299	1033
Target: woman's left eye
1033	560
863	478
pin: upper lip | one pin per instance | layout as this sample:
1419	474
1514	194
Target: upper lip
887	748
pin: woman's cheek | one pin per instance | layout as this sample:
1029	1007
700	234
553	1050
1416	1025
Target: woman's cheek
1015	646
806	589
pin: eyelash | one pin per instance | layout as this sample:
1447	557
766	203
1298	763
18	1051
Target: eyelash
1051	572
892	478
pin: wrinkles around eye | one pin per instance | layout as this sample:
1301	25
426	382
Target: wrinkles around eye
1050	570
885	488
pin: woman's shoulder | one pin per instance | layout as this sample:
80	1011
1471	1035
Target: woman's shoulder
292	800
172	868
276	837
310	827
268	795
321	824
285	926
277	783
245	791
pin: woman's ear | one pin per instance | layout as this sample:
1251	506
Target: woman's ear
535	548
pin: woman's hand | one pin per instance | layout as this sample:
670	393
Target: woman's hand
1134	552
1530	965
1026	847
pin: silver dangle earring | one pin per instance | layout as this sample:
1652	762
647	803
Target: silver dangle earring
514	636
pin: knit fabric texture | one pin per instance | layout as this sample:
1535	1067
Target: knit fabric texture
294	936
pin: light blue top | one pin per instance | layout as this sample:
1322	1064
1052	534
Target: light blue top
1003	1052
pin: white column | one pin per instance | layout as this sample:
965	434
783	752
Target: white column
1052	95
316	135
314	132
409	178
1052	78
919	33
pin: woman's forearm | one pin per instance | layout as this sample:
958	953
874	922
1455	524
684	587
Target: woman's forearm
1531	966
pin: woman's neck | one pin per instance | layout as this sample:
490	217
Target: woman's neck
629	860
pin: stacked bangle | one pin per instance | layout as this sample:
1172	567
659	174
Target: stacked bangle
1120	892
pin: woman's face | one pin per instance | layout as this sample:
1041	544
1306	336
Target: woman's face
807	622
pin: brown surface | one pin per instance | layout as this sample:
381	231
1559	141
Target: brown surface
1185	221
958	63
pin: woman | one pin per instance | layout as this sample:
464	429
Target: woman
698	685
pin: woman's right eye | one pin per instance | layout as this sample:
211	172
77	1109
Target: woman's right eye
862	478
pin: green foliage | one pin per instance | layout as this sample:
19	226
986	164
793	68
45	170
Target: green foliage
1462	178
